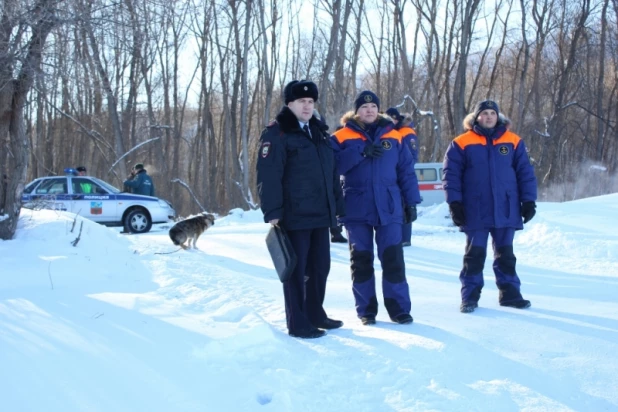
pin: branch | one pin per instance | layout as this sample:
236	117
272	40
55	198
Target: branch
248	198
132	150
76	241
186	186
49	274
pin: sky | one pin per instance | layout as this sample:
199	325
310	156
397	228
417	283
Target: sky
129	323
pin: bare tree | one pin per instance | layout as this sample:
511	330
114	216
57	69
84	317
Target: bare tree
23	35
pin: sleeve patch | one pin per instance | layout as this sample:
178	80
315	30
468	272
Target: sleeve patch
265	149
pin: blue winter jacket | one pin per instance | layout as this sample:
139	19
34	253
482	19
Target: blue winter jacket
490	175
375	189
409	135
141	184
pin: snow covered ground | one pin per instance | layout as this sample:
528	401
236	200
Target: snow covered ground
118	323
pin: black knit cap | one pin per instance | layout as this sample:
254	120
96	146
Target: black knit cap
485	105
81	168
138	166
298	89
394	113
366	96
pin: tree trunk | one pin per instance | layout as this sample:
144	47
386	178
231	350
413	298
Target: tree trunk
13	93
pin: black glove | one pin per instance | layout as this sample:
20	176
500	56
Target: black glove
528	210
457	213
410	214
372	150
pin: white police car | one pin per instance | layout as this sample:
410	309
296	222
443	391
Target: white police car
97	200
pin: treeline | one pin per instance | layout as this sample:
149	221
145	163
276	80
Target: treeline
185	87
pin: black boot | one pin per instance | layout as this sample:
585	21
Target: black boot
403	319
518	304
368	320
468	307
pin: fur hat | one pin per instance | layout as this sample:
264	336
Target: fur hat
485	105
366	96
138	166
394	113
298	89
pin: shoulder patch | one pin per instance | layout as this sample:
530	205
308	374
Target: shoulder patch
265	150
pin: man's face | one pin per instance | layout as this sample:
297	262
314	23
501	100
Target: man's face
368	113
81	173
487	119
302	108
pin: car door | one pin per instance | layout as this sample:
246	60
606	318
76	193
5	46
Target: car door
53	194
92	201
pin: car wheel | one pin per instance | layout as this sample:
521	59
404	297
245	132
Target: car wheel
138	221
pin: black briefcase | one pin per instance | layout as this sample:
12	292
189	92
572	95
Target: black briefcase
281	252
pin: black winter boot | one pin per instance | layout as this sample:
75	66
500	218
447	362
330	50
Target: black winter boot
368	320
518	304
403	319
468	307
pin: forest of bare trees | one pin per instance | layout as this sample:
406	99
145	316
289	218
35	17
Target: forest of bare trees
186	86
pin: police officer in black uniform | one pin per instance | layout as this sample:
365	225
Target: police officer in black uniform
299	190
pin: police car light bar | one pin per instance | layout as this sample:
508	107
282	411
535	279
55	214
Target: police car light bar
70	171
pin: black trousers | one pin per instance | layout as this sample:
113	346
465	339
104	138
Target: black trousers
304	291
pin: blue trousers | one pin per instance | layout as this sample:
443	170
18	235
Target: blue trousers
304	291
471	275
406	234
394	284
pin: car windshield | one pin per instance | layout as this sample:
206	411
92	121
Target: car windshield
106	185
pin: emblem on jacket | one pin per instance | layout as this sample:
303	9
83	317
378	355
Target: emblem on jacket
265	149
503	150
387	145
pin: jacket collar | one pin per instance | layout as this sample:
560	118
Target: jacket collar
288	122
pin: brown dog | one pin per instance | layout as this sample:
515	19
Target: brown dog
190	229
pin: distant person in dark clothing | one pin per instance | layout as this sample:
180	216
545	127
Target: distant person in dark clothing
490	186
299	191
403	123
139	182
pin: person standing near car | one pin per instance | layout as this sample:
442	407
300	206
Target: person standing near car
299	190
381	193
85	187
490	186
139	181
403	124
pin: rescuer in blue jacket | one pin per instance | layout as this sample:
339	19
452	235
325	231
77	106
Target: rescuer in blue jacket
403	124
490	186
381	192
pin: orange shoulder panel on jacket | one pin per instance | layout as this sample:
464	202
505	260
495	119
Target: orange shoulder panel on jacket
469	138
406	131
393	134
508	137
346	133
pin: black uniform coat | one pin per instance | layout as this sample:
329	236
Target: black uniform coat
296	176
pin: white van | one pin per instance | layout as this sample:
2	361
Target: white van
429	177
